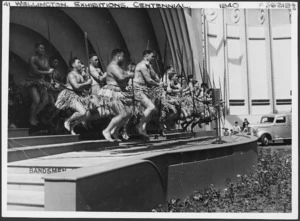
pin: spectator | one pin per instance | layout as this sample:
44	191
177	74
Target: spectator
236	128
245	125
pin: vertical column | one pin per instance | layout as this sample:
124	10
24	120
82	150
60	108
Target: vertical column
226	74
270	67
244	40
207	62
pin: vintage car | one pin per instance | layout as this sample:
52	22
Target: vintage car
273	127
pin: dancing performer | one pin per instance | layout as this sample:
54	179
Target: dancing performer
98	77
131	67
113	99
73	97
39	68
145	78
56	86
165	78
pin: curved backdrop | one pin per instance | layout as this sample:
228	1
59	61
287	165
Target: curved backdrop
170	32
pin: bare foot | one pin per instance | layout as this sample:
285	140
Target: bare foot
141	131
67	125
73	132
84	124
125	135
33	122
107	136
72	129
117	139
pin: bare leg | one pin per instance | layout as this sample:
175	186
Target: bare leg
79	115
35	102
124	132
44	101
145	119
115	131
116	120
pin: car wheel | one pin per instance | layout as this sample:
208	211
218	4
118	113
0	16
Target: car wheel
265	140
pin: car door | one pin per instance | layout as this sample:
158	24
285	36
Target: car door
281	128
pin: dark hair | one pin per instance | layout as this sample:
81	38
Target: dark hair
145	52
116	52
52	59
204	85
132	63
236	122
38	44
171	75
190	77
92	55
72	60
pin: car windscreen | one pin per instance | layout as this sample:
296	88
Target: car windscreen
267	120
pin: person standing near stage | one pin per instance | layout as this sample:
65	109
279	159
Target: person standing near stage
113	99
245	125
73	97
143	81
39	68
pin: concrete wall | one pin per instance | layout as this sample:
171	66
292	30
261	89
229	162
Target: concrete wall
249	55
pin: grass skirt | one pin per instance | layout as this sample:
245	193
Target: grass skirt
68	98
40	84
142	98
112	100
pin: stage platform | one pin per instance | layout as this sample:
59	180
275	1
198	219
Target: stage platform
128	176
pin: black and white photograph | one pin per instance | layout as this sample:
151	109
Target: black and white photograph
142	109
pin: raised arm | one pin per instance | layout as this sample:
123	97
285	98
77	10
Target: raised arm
35	69
78	86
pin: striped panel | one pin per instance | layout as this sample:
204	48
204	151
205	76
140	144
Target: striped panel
260	102
236	102
283	101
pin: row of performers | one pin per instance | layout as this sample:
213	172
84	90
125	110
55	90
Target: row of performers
120	94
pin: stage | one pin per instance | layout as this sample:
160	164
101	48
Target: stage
129	176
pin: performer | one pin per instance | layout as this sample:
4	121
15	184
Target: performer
165	78
56	86
131	67
72	97
113	99
39	68
98	77
145	78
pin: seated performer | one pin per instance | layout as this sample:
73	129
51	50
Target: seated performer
145	78
113	99
73	97
39	67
